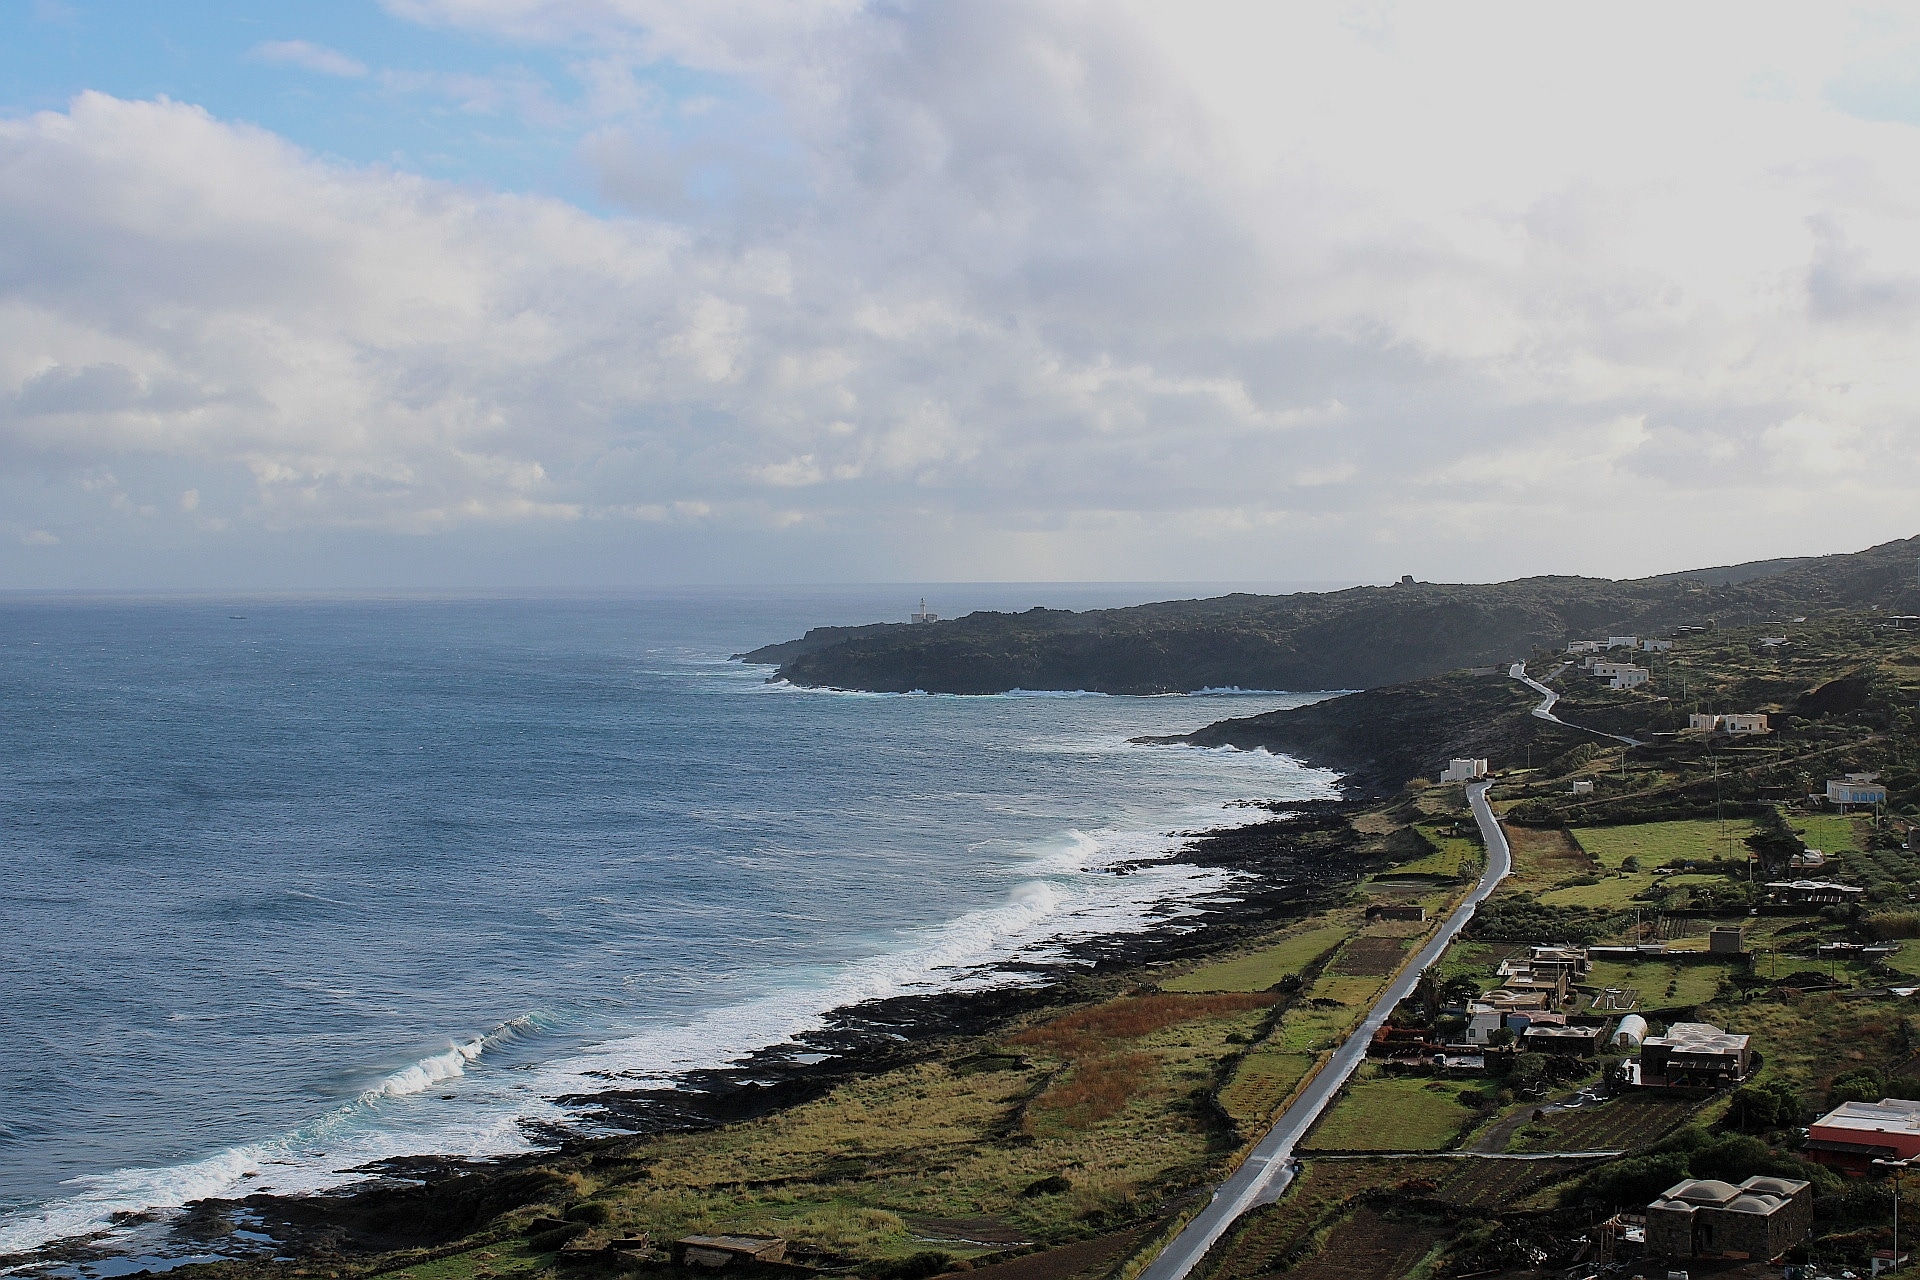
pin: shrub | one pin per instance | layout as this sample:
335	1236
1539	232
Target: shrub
588	1211
915	1266
1893	924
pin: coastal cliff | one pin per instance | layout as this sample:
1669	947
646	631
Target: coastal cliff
1379	738
1360	638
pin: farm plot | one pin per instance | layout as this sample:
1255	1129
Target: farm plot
1656	844
1261	969
1373	956
1487	1184
1544	856
1395	1113
1370	1245
1266	1239
1086	1258
1263	1080
1625	1124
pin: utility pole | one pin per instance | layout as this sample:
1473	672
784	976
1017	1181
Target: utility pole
1899	1167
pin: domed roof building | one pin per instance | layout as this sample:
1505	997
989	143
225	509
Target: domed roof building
1761	1218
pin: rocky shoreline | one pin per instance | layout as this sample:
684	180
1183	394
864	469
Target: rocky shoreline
1289	865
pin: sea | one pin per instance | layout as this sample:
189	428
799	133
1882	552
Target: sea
292	885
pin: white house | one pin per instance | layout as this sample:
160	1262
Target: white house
1584	646
1482	1021
1846	791
1751	723
1699	720
1608	670
1463	770
1583	787
1622	642
1631	678
1655	646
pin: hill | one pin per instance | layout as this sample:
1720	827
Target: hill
1359	638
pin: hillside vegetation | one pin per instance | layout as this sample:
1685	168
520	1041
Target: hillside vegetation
1354	639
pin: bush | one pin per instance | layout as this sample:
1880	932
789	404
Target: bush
1893	924
593	1212
915	1266
1757	1108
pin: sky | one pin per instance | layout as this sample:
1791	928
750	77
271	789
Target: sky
516	294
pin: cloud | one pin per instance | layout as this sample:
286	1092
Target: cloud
1124	291
308	57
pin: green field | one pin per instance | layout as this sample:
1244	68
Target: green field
1261	969
1615	892
1304	1029
1829	834
1394	1113
1658	843
1661	984
1454	856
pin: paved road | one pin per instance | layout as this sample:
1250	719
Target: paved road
1269	1169
1548	697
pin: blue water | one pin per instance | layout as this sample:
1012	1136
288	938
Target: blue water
333	880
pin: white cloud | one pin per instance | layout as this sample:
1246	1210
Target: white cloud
1202	290
308	57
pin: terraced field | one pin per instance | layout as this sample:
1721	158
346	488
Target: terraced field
1623	1124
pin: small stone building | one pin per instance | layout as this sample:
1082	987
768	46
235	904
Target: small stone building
719	1251
1760	1219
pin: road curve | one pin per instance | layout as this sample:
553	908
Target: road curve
1548	697
1268	1170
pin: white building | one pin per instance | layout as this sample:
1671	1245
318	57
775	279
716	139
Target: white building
1463	770
1631	678
1607	670
1701	721
1846	791
1583	787
1482	1021
1584	646
923	615
1622	642
1751	723
1655	646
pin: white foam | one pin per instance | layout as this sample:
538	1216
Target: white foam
1060	892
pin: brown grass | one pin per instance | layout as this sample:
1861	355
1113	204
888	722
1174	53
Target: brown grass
1372	957
1087	1032
1099	1087
1546	854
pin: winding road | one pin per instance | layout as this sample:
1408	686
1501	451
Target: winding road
1548	697
1268	1169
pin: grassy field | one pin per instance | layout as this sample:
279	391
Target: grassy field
1098	1099
1658	843
1264	1079
1808	1041
1829	833
1305	1029
1453	855
1393	1113
1544	857
1613	892
1260	970
1661	984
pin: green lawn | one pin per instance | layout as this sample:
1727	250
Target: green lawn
1657	843
1661	984
1394	1113
1829	834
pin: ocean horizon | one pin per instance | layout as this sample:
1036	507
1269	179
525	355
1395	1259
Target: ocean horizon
299	884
